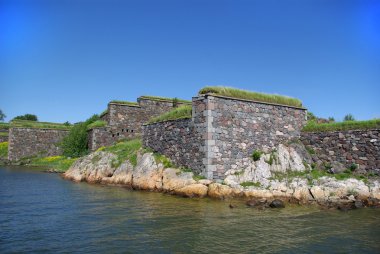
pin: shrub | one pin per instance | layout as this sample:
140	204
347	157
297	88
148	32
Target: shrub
256	155
353	167
348	117
29	117
75	143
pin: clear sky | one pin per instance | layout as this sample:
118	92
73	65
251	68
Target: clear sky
63	60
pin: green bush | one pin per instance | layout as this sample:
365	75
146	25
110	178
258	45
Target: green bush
256	155
75	143
29	117
348	117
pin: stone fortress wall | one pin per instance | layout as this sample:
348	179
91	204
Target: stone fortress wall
125	120
224	131
29	142
360	147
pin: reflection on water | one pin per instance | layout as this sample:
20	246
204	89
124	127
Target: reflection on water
40	212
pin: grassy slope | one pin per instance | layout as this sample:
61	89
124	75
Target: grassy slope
39	125
98	123
124	151
312	126
129	103
176	113
248	95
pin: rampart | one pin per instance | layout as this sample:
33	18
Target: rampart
361	147
226	131
125	119
29	142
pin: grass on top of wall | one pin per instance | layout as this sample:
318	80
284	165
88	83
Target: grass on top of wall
126	150
128	103
4	134
103	113
249	95
313	126
56	163
159	98
4	150
98	123
39	125
176	113
4	125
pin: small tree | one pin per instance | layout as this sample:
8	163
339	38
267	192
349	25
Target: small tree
331	119
29	117
311	116
2	116
75	143
348	117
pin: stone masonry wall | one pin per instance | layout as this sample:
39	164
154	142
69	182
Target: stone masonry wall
227	131
240	127
28	142
125	121
361	147
177	140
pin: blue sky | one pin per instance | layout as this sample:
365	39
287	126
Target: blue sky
65	59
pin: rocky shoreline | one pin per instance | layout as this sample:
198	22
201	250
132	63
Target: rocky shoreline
266	190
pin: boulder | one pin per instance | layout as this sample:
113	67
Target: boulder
277	203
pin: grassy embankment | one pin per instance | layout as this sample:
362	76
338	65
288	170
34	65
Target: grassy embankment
127	150
181	112
98	123
248	95
39	125
313	126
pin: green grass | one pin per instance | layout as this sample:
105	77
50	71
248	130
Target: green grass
247	184
312	126
4	150
158	98
4	134
248	95
58	163
124	151
4	126
128	103
98	123
176	113
256	155
39	125
103	113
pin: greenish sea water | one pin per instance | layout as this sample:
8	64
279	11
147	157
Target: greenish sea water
42	213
